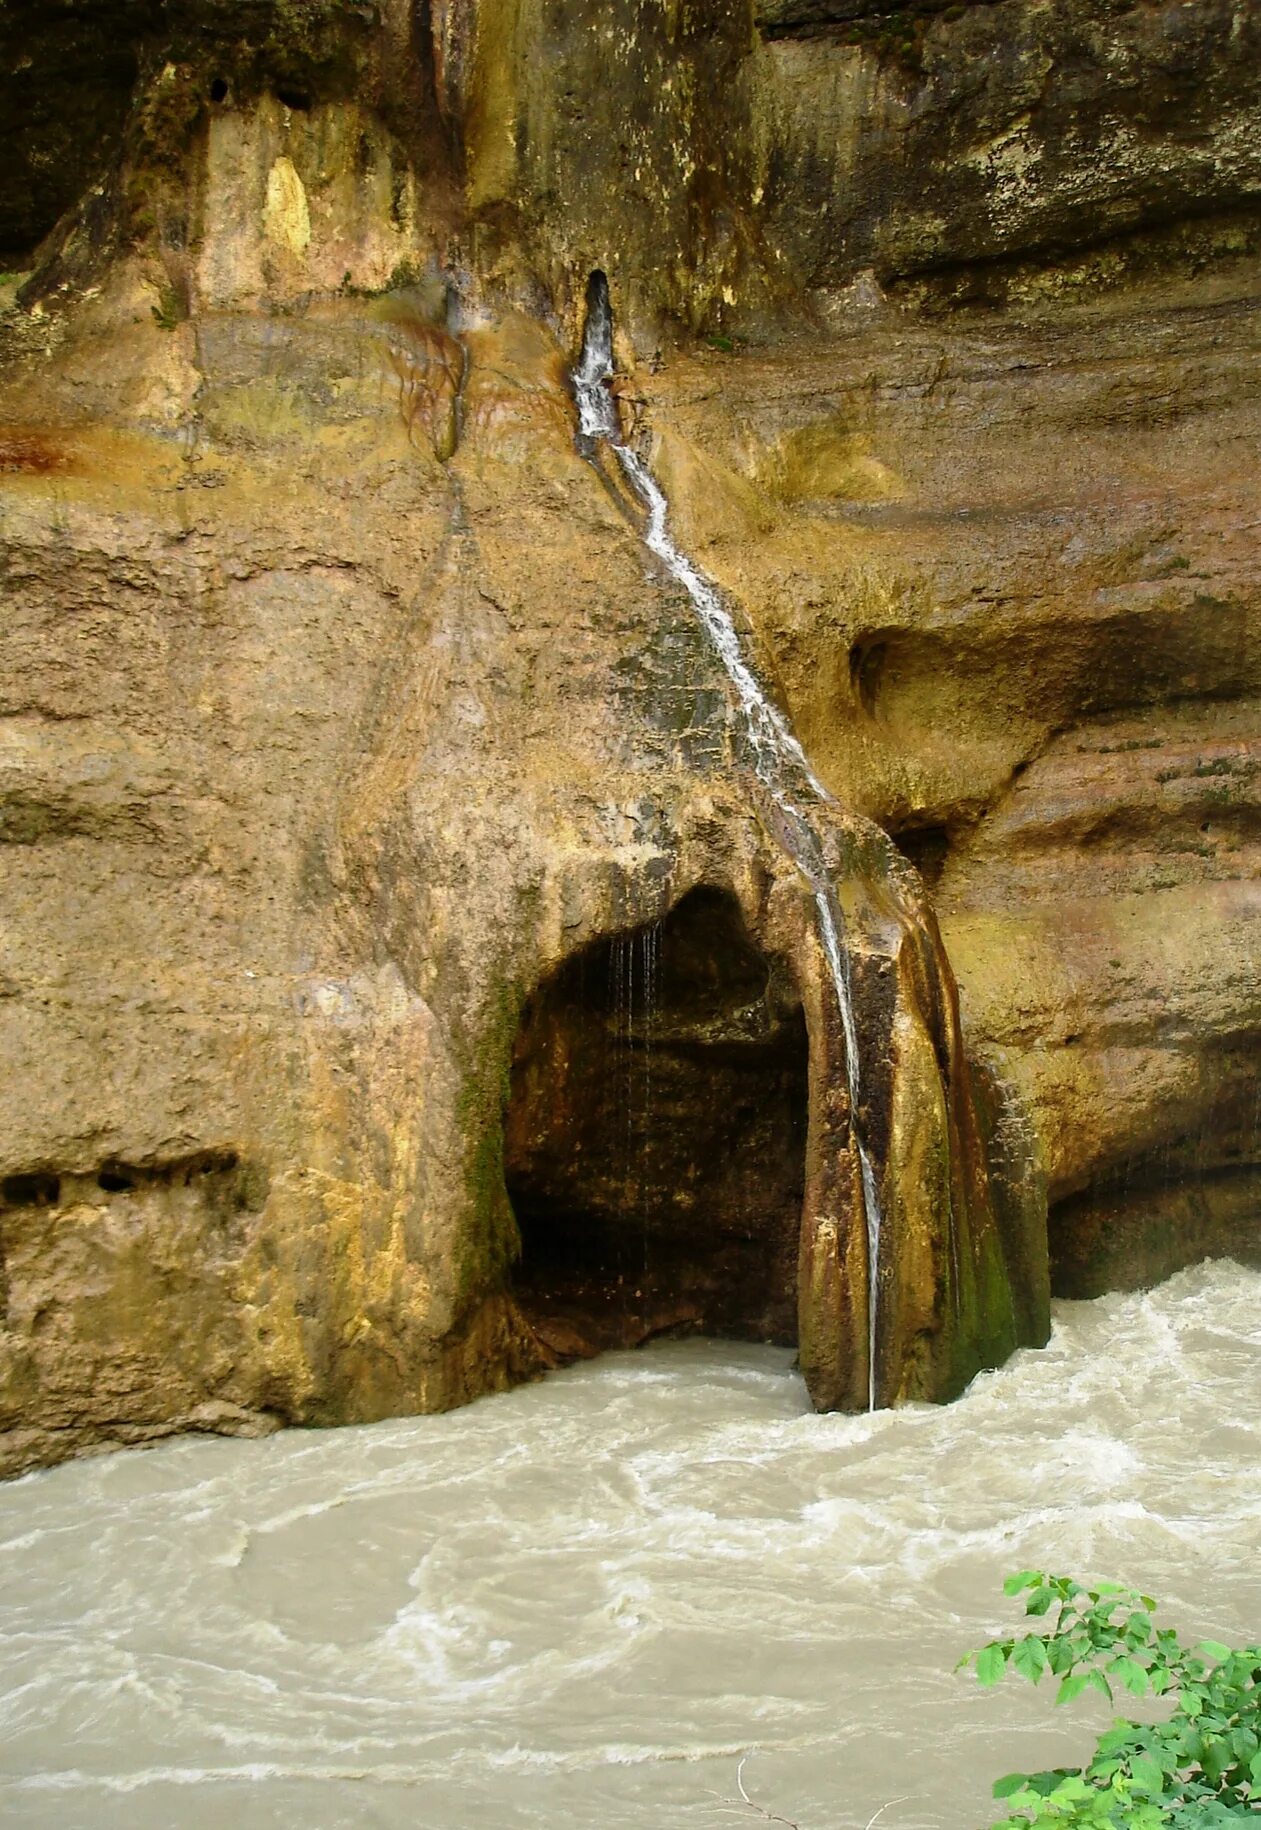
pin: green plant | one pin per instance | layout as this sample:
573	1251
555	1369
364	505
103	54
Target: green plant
1199	1769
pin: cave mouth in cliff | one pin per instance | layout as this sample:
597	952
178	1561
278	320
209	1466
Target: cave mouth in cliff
655	1137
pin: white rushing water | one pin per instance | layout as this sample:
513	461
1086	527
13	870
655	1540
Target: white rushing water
581	1605
778	758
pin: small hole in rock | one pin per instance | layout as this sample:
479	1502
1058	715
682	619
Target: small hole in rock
867	659
219	90
597	291
213	1162
297	99
115	1181
927	848
39	1189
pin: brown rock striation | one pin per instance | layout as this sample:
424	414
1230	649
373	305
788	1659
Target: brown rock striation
359	771
1015	614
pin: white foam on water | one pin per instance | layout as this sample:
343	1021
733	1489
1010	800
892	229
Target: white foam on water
582	1603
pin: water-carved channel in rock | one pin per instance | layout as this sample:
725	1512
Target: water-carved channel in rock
655	1137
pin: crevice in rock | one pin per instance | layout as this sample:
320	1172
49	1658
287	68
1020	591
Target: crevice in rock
1187	238
223	1175
1134	1231
925	846
867	658
779	18
1185	650
175	1172
655	1137
31	1188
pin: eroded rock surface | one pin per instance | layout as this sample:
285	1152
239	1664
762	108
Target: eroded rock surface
345	722
1008	576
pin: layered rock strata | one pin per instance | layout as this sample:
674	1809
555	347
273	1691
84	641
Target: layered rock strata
351	739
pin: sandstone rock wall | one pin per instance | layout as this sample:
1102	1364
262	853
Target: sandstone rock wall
342	712
1008	578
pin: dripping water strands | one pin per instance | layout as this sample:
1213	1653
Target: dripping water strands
631	995
650	941
613	1068
779	762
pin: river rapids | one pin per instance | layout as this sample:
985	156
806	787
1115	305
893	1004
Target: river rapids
622	1596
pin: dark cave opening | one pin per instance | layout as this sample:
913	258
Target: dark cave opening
655	1137
40	1188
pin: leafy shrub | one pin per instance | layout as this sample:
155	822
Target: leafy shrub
1199	1769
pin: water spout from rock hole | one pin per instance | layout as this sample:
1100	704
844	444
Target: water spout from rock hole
777	758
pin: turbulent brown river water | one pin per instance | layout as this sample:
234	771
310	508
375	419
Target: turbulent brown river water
582	1605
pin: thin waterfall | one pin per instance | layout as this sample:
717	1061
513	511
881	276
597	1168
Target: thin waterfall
779	761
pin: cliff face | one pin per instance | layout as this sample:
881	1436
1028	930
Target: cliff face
1008	574
386	908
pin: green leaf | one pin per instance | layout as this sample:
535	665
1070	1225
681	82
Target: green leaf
1198	1770
1245	1741
1045	1783
1215	1760
1029	1657
1131	1674
1147	1773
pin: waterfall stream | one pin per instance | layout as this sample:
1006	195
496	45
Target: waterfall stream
778	759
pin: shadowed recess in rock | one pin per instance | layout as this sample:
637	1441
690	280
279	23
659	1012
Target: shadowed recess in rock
655	1141
242	1185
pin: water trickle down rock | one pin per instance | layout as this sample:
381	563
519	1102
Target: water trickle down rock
988	1318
